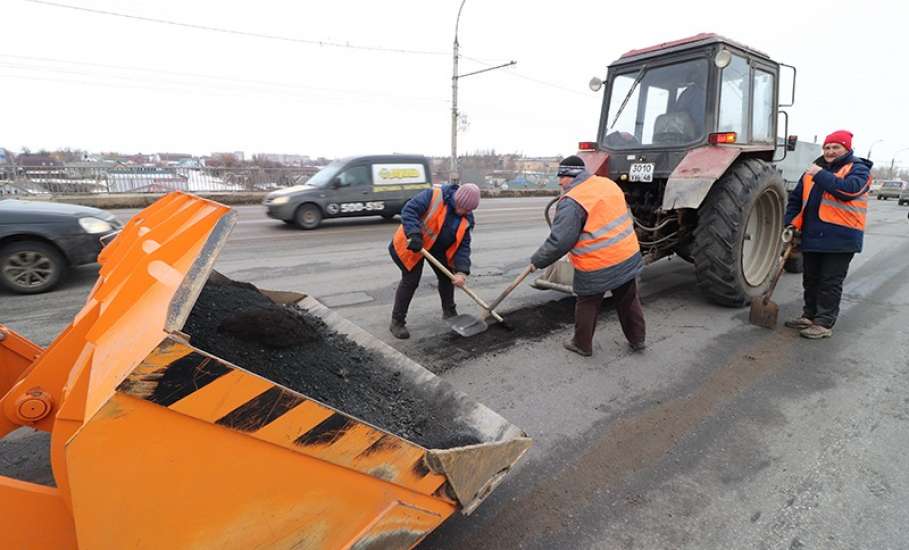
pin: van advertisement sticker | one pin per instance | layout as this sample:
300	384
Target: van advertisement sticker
395	177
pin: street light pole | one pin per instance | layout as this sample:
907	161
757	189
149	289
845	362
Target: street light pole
453	167
872	147
893	159
454	102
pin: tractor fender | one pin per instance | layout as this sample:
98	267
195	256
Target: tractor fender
596	162
692	179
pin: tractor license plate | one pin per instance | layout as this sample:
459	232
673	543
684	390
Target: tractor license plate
641	172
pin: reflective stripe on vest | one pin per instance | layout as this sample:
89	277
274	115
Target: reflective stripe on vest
851	214
430	227
608	237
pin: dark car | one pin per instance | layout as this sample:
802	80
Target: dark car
39	241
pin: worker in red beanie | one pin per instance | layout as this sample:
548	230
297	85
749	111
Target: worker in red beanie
827	209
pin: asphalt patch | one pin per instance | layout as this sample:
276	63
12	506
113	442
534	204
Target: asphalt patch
526	324
291	347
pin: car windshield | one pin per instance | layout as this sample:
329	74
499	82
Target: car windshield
323	177
892	184
658	106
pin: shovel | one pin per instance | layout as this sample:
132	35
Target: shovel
464	324
764	311
514	284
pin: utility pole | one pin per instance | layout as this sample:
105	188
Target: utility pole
893	160
872	147
453	167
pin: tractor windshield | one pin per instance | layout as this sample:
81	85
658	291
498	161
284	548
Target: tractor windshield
658	106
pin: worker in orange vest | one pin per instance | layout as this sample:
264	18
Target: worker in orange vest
440	220
593	226
827	209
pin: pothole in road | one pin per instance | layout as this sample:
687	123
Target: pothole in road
531	323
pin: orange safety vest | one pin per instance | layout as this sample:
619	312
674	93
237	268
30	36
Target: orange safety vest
608	237
431	226
851	214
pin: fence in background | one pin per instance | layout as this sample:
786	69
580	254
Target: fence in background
91	179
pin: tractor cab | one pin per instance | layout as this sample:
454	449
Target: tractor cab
662	102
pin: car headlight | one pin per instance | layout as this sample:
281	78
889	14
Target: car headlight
279	200
95	225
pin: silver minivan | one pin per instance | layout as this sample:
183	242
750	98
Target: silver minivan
376	185
890	189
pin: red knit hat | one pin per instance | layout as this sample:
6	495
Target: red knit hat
843	137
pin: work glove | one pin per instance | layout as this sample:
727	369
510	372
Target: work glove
415	242
796	237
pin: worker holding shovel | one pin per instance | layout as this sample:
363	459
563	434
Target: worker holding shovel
440	220
593	226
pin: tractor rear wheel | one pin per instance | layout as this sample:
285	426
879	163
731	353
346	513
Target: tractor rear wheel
737	240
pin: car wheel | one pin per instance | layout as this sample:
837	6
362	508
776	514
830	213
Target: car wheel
308	216
30	267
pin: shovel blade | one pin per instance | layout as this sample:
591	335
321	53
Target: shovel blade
764	313
467	325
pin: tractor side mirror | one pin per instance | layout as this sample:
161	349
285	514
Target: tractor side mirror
791	142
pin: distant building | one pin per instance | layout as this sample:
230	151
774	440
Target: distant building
236	155
171	159
286	160
37	160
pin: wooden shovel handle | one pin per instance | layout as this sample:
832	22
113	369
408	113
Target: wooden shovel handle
779	272
469	292
527	271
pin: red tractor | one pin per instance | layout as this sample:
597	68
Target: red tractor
688	130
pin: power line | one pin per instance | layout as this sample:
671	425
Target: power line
529	78
188	79
249	34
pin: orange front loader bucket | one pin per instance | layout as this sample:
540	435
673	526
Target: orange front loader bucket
158	444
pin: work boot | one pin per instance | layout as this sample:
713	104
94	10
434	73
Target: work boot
800	323
399	330
816	332
450	312
571	346
637	346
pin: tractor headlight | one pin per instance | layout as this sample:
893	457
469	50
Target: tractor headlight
95	225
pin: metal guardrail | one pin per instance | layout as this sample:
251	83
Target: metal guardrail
93	179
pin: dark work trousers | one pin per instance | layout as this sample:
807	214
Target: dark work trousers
628	307
410	280
822	279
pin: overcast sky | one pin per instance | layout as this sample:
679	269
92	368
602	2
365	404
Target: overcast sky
76	79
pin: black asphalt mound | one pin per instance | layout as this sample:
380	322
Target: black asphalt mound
295	349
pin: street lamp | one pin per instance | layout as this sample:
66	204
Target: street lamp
893	159
872	147
454	96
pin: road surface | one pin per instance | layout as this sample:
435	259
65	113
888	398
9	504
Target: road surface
721	435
